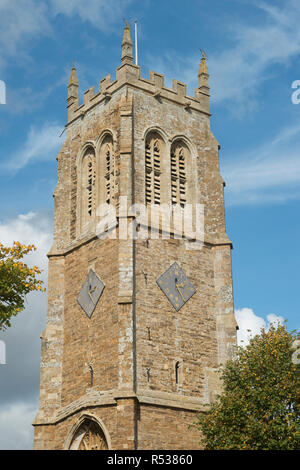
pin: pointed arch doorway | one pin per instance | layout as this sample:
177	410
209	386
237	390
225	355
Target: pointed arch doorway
87	434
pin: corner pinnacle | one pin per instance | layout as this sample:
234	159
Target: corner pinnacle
127	54
73	77
203	72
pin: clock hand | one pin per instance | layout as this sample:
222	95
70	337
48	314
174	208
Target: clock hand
177	287
90	292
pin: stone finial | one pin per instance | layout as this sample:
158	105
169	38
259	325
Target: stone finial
73	84
203	75
127	54
72	93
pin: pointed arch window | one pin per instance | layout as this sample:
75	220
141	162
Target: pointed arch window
89	436
153	151
179	153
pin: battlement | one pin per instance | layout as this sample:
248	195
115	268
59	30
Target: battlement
129	74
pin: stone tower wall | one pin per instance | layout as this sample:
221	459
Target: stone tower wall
118	367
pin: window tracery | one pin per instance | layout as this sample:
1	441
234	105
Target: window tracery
89	436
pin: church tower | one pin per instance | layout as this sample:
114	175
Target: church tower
139	317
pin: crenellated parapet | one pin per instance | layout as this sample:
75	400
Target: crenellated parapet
128	74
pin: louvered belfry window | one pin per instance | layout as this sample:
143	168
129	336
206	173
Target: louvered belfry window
91	187
153	171
89	183
178	174
109	174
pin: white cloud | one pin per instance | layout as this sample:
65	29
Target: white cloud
29	228
20	376
250	50
238	71
41	144
21	20
101	13
269	173
15	431
251	324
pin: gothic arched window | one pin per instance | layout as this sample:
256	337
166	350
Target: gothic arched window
89	436
179	153
153	154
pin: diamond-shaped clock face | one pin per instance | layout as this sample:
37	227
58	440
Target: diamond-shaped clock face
90	293
176	286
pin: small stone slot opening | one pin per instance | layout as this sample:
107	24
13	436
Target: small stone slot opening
177	365
91	376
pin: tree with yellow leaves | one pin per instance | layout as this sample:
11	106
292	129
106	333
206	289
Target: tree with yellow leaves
260	404
16	280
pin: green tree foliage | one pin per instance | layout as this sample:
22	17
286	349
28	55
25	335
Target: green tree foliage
259	406
16	280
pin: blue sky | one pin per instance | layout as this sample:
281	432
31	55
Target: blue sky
253	51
